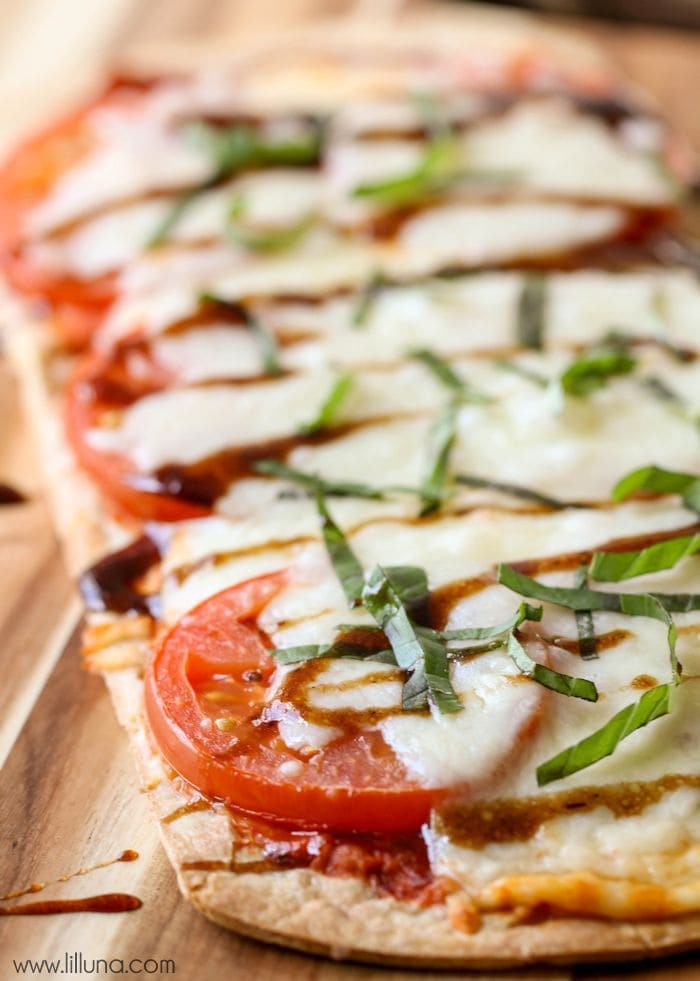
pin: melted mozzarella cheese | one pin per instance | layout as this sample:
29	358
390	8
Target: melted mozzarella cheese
575	449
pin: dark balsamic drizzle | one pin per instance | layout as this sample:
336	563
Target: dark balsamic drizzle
203	481
128	855
113	902
110	902
475	825
10	495
112	583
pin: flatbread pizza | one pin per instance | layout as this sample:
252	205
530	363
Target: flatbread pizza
366	380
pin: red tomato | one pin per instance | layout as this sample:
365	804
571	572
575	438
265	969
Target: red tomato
26	178
214	665
98	386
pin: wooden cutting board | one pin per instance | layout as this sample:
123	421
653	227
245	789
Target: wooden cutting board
69	797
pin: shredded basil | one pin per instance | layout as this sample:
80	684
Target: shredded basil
438	169
532	305
652	705
660	481
265	339
564	684
445	373
345	563
616	566
310	652
593	369
367	298
312	483
515	368
330	406
261	239
660	390
441	439
515	490
416	649
232	149
655	605
524	612
587	643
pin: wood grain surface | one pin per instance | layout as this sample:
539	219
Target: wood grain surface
69	797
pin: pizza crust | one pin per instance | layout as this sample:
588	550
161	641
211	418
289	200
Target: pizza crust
298	908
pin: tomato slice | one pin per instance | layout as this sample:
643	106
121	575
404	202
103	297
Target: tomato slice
26	178
99	385
214	664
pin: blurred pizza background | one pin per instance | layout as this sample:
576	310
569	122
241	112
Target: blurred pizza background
52	51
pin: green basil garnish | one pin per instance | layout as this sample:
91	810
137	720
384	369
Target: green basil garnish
616	566
660	390
584	621
441	439
593	369
564	684
603	742
310	652
655	605
416	649
532	305
445	373
438	169
267	344
515	490
652	705
312	483
367	298
660	481
524	612
515	368
259	239
345	563
331	405
232	149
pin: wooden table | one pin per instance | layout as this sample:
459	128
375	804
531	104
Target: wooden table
68	793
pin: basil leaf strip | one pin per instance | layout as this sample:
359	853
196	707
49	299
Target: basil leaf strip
547	677
232	149
660	481
515	490
507	364
312	482
413	647
445	373
435	172
182	202
345	563
441	439
587	643
531	312
431	680
263	239
367	298
310	652
524	612
633	604
330	406
603	742
267	344
592	370
615	566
